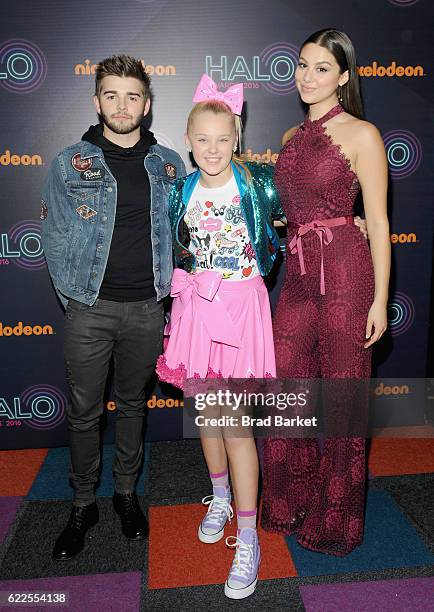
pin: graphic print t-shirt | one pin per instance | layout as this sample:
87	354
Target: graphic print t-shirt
218	232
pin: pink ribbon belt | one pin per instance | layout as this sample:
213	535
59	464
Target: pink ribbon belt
199	292
322	229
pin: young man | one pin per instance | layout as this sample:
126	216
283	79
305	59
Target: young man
106	237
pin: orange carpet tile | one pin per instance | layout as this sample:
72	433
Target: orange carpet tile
177	558
397	456
18	469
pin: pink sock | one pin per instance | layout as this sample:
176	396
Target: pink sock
220	483
246	518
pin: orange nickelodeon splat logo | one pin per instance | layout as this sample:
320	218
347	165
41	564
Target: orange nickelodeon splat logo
393	70
266	157
403	238
168	402
394	390
25	330
154	402
88	69
8	159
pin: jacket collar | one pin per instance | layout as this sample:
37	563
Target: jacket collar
90	150
192	179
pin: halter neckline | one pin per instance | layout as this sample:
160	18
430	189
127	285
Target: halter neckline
335	110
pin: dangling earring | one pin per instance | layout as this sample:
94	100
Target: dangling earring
340	98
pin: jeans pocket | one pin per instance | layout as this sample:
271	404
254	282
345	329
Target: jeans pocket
74	306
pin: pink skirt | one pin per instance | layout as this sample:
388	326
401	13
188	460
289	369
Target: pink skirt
217	328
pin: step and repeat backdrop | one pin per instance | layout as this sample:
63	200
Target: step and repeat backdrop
48	54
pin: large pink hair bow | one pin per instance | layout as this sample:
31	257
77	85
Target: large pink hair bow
207	90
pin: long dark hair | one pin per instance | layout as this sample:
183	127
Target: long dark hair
340	46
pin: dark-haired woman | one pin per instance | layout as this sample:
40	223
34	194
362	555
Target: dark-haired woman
332	307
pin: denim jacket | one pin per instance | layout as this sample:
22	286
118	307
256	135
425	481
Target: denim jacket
78	215
259	204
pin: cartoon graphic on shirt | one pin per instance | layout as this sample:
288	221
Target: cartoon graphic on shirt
224	245
194	214
218	233
234	215
248	252
239	232
204	242
210	225
218	211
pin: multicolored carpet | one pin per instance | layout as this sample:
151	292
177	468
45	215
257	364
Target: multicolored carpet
392	570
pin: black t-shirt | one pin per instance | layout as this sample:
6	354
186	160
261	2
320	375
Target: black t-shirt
129	275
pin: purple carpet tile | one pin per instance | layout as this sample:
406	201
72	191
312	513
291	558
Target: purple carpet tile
8	510
96	593
406	595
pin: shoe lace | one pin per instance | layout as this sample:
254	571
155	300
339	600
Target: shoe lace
77	518
218	506
130	502
242	564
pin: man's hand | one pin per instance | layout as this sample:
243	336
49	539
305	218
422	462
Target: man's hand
361	224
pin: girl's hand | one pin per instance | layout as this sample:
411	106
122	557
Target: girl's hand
361	224
376	324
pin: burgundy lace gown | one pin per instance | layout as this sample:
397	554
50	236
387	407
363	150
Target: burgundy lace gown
319	329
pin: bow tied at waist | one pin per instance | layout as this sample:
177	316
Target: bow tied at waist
199	291
321	227
204	284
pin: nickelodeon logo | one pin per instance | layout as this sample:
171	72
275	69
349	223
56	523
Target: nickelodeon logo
7	159
266	157
87	69
403	238
376	70
154	402
395	390
25	330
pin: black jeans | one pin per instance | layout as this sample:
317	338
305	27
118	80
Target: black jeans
131	332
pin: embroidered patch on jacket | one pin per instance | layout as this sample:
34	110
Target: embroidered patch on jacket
44	211
92	175
170	170
81	164
86	212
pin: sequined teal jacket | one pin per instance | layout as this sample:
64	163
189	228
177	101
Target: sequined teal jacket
259	204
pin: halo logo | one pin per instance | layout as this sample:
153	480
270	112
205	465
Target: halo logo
281	59
404	153
40	406
273	68
27	251
401	313
23	66
6	159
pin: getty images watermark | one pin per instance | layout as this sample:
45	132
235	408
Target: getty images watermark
237	402
308	408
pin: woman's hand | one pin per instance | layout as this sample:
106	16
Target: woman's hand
361	224
376	324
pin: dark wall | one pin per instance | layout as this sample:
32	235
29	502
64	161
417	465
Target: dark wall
47	50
